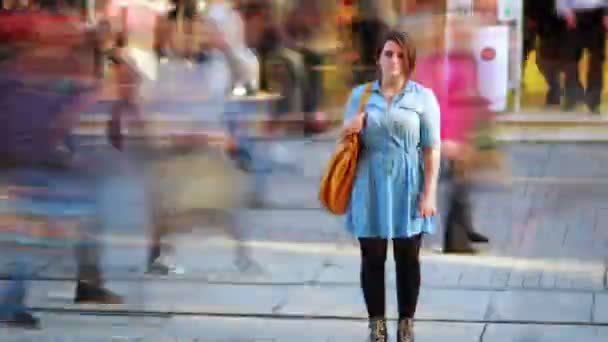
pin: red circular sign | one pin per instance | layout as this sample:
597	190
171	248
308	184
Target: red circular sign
488	54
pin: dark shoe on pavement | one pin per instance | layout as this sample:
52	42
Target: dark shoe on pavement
256	202
569	106
592	103
377	330
405	330
158	268
86	293
459	250
22	320
594	109
457	240
242	158
478	237
552	99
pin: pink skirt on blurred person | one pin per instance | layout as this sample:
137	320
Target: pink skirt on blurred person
453	78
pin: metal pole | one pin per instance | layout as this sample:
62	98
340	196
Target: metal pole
519	29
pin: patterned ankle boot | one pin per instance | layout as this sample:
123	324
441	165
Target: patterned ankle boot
405	330
377	330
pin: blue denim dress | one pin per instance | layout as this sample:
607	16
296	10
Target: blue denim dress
390	172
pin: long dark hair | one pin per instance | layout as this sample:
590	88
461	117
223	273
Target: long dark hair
408	46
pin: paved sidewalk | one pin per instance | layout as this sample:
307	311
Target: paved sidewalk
543	273
69	327
547	230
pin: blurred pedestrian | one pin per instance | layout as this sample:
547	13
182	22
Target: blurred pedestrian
587	22
47	79
452	74
201	57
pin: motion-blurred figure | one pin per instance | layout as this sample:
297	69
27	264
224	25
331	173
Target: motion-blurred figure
201	59
452	74
46	80
368	28
586	22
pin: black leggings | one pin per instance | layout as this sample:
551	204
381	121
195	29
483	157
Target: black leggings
373	257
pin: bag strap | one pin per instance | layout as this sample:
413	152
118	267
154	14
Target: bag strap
366	93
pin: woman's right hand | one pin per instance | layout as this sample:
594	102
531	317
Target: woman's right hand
355	125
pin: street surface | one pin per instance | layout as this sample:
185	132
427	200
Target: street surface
542	277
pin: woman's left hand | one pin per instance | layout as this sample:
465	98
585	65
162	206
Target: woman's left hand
427	205
354	126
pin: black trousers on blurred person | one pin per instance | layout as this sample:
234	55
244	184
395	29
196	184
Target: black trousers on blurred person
459	232
551	64
553	52
159	228
589	35
529	44
146	160
89	287
406	253
56	187
179	194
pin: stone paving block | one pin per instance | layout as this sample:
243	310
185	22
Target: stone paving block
551	234
251	329
584	221
579	275
341	301
500	278
76	328
165	296
430	275
526	158
600	232
215	259
341	269
548	280
476	276
563	281
439	332
434	273
600	308
543	333
442	271
579	240
516	279
285	267
440	304
222	260
577	155
83	337
336	301
222	299
539	306
436	269
587	282
345	269
532	279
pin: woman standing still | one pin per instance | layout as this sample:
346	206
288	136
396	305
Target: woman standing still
394	193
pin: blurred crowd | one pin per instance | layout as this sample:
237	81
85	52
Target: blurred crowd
186	83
